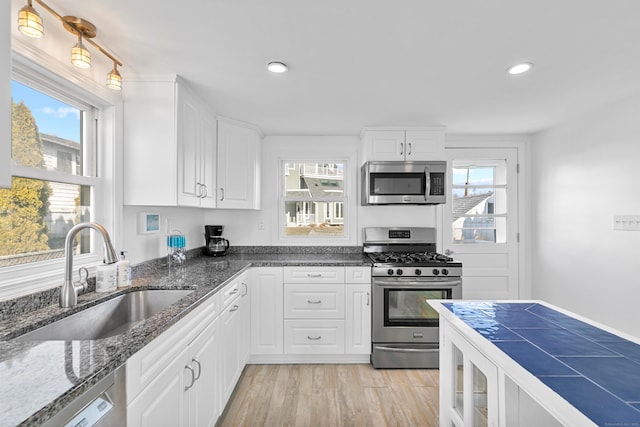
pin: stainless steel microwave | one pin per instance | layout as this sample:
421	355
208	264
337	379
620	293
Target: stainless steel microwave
404	183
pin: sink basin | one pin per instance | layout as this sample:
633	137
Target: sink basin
110	318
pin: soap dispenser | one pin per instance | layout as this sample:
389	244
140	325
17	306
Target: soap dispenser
124	271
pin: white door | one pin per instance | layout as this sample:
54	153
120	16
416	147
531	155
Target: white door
480	221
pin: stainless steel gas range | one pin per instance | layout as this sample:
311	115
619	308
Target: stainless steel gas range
406	273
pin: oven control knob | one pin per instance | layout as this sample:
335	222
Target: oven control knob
435	271
418	272
390	272
399	272
445	271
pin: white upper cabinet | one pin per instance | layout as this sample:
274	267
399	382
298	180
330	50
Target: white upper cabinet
169	145
239	160
424	143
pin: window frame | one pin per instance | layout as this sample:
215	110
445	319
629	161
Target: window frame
283	168
98	154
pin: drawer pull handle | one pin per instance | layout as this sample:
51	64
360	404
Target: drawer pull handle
233	292
367	299
193	377
235	308
314	302
314	338
314	275
194	360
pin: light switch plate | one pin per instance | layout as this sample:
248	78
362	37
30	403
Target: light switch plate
626	222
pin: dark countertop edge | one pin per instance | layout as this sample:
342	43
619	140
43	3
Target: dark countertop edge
250	260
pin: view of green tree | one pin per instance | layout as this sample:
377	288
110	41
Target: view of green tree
24	206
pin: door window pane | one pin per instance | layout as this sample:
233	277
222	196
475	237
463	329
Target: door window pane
479	202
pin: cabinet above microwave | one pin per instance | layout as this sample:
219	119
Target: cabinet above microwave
404	183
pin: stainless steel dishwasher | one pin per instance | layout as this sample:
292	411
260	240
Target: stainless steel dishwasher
103	405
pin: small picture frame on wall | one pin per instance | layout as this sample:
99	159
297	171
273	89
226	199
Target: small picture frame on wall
148	222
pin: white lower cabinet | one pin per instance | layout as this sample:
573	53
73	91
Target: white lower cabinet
327	311
186	375
358	319
231	368
266	311
173	381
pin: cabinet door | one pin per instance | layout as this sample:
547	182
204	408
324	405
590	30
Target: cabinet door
230	323
385	145
238	166
208	160
266	310
245	315
358	319
424	145
164	401
469	383
204	359
189	149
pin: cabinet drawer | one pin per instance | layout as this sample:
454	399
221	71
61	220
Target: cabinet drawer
230	292
313	301
314	336
313	274
358	274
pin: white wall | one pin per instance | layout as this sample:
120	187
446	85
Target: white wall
143	247
248	228
583	172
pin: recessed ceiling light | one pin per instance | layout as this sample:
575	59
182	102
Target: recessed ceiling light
277	67
520	68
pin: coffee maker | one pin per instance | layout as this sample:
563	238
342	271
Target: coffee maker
215	244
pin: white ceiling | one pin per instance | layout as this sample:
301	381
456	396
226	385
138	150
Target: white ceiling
356	63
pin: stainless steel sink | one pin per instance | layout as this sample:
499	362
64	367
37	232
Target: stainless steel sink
108	319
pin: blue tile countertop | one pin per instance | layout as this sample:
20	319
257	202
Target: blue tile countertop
39	378
596	371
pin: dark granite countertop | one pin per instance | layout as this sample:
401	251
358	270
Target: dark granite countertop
39	378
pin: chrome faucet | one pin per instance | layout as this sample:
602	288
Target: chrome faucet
68	291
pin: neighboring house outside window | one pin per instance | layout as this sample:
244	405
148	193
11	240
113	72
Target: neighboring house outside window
313	198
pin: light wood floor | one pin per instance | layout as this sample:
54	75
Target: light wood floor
333	395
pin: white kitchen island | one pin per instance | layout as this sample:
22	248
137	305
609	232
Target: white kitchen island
528	363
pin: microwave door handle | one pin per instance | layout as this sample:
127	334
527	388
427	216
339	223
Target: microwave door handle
427	180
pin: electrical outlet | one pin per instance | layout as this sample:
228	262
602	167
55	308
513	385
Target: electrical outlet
260	224
626	222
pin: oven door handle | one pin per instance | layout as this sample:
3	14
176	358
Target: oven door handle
406	350
417	284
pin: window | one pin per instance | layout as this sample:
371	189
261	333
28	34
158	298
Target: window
479	202
54	181
314	199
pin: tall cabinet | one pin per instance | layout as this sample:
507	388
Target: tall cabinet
169	144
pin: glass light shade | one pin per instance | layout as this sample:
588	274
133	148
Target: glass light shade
30	23
114	80
80	56
277	67
520	68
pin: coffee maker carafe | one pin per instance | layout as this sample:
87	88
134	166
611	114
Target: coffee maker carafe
215	244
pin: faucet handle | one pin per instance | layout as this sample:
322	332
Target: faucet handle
82	285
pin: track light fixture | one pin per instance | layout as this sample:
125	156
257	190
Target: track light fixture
30	24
